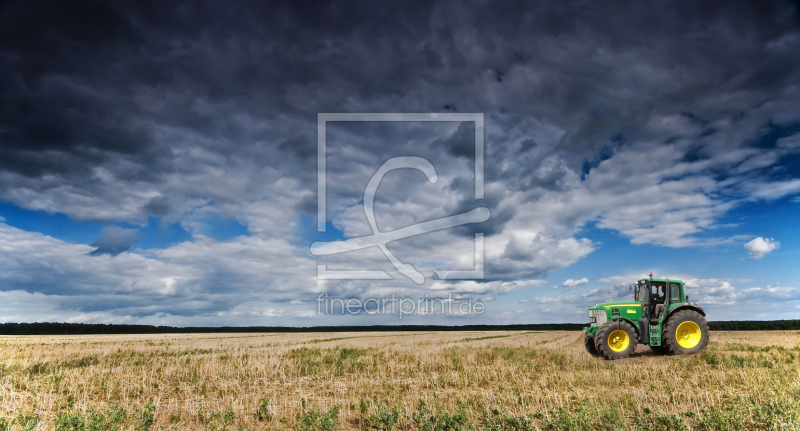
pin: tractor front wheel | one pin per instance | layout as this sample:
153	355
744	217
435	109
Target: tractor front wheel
615	340
588	342
686	333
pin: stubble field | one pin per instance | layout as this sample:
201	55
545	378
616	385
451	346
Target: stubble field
393	381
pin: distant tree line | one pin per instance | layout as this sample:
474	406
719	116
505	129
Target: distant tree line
53	328
754	325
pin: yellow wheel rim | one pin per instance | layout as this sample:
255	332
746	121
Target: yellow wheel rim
618	340
688	334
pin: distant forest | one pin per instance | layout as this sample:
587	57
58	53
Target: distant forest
46	328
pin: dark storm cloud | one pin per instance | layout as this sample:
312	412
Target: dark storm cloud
461	143
84	83
158	206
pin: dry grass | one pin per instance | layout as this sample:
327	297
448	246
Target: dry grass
402	381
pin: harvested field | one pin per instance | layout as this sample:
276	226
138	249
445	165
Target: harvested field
393	381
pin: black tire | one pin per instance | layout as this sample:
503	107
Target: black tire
588	342
604	344
659	350
673	340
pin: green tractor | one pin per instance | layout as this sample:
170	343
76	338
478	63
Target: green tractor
660	316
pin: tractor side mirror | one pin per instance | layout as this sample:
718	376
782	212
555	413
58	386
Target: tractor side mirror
687	298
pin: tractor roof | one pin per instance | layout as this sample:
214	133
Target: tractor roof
663	280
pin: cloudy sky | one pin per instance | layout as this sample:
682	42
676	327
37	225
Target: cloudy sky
158	161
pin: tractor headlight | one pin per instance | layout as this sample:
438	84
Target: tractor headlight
592	320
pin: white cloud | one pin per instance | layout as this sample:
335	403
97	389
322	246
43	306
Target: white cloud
188	278
571	282
721	293
760	247
622	280
99	318
773	190
477	287
518	253
584	300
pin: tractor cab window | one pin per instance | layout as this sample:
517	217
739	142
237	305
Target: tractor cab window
640	292
675	292
659	293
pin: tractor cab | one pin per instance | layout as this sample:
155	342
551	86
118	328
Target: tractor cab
654	294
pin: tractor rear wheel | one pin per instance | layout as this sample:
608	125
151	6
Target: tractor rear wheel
615	340
686	333
588	342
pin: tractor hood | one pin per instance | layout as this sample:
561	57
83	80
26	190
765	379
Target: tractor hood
617	304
